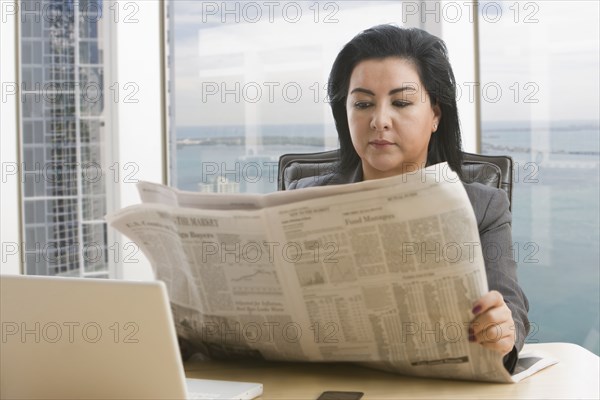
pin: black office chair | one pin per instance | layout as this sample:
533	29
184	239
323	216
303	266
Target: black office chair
495	171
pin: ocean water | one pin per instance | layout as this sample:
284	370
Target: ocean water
556	206
241	163
555	224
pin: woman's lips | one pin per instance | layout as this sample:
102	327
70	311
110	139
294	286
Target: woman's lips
381	143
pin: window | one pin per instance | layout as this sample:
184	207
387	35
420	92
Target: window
62	120
247	83
540	102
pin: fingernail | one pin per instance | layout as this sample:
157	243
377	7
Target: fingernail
476	309
471	332
471	338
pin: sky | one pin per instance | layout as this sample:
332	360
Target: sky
258	65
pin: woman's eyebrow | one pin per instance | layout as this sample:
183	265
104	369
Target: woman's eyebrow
362	90
402	89
391	92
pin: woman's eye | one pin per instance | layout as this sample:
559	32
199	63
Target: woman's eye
361	105
399	103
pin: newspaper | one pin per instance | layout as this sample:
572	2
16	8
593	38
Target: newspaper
382	272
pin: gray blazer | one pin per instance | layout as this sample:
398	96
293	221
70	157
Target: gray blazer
494	220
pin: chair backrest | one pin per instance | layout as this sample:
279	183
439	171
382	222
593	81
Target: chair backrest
495	171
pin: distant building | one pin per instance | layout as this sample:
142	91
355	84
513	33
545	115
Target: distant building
219	184
62	103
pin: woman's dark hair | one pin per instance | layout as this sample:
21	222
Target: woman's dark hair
429	55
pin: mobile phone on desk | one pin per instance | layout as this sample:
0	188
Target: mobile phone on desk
335	395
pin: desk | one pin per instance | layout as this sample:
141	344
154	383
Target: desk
575	376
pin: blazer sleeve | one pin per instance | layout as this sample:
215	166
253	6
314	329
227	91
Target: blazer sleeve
495	233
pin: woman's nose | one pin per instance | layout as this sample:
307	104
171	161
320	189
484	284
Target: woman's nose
381	120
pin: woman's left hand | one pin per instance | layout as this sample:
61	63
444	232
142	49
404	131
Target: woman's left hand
493	326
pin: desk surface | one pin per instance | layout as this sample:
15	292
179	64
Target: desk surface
575	376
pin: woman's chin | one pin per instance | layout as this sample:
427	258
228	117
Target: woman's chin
382	171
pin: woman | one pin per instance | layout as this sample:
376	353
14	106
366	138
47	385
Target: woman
393	97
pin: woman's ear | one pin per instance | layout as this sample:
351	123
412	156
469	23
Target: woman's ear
437	117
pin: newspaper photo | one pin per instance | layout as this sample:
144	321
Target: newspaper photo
382	273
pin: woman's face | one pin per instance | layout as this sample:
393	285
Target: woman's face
390	117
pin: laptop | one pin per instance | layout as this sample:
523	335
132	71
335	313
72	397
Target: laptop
73	338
